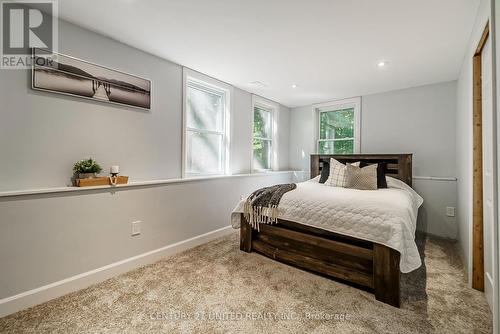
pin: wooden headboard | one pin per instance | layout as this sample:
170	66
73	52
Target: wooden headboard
399	166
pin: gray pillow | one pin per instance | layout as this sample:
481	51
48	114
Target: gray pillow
362	178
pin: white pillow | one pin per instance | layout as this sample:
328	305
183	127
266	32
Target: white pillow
315	179
338	174
398	184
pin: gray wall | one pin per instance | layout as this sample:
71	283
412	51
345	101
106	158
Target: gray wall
283	138
43	134
418	120
49	237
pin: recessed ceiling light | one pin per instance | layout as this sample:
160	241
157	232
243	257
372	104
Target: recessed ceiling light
294	86
382	64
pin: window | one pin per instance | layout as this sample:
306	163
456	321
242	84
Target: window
262	137
339	127
264	132
206	128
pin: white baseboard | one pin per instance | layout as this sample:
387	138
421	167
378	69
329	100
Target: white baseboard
47	292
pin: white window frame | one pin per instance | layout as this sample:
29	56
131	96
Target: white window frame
258	101
354	103
211	85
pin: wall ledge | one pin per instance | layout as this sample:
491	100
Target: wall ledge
435	178
53	190
418	177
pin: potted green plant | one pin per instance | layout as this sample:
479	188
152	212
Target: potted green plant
86	168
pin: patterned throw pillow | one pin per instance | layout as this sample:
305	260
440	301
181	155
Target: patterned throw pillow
362	178
338	176
381	171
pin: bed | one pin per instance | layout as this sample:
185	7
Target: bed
364	238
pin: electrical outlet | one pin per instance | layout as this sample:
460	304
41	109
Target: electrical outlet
450	211
136	228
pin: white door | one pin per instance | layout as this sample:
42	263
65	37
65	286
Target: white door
488	187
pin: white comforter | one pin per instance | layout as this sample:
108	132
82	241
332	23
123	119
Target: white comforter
385	216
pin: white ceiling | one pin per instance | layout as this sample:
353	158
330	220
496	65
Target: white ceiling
329	48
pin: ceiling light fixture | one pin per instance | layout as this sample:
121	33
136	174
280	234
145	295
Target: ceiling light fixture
382	64
294	86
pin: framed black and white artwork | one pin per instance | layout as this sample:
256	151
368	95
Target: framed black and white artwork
58	73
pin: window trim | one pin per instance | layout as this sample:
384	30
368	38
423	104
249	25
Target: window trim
211	85
355	103
274	108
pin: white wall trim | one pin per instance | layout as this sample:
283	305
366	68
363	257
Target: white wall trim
50	291
495	282
494	25
129	185
172	181
435	178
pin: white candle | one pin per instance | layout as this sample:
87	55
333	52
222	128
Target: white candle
115	169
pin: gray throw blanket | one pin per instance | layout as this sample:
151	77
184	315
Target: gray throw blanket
262	205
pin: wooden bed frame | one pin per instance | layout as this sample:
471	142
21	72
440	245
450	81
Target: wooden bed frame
362	263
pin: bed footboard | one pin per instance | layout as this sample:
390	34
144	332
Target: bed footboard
368	265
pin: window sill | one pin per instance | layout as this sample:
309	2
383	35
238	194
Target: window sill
263	171
131	184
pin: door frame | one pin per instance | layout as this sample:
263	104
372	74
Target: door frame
495	14
477	170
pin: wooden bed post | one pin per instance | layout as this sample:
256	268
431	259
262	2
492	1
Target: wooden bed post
386	274
245	235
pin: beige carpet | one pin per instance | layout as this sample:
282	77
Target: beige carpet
215	288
